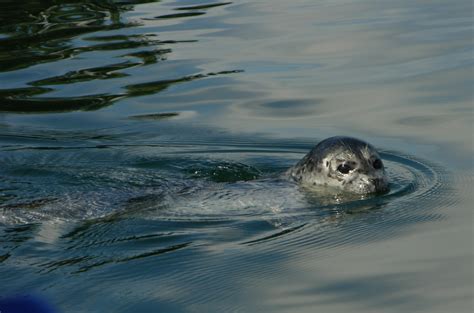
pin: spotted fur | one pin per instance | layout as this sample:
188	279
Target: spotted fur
321	166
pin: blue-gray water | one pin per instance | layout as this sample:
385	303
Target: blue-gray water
142	145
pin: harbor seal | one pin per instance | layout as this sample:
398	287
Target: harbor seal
347	163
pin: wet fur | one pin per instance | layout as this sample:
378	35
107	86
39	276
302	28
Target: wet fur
319	166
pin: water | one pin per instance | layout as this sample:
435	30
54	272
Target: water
142	146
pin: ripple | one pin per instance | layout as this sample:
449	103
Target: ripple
420	192
153	203
216	186
141	205
179	15
74	14
102	72
196	209
154	116
203	6
19	100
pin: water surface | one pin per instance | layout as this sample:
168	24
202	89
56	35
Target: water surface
143	146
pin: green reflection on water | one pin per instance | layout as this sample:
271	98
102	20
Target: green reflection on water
49	33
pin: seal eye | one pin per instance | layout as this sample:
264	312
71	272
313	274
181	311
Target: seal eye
344	168
377	164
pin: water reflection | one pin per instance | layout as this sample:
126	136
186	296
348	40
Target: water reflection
162	193
54	32
41	31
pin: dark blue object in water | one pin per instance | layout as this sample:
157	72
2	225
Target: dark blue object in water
22	304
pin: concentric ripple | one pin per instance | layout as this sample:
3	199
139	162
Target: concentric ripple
93	207
239	181
252	220
420	191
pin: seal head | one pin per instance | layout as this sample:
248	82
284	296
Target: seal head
343	162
